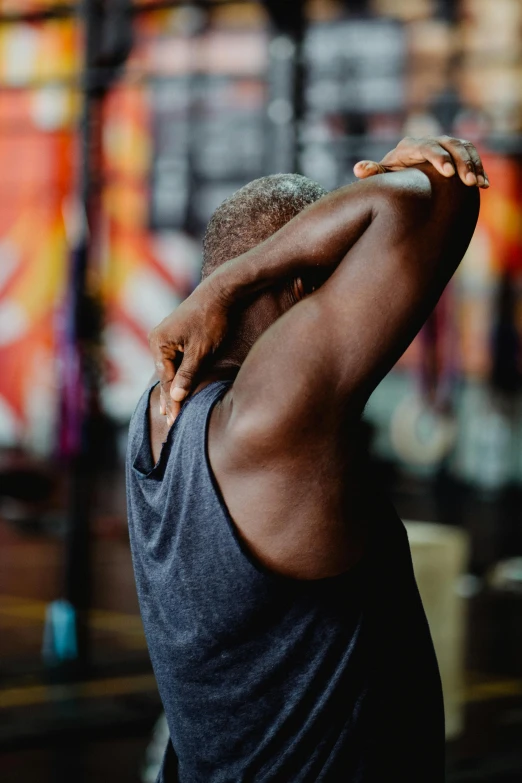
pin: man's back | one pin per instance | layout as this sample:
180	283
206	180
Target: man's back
269	678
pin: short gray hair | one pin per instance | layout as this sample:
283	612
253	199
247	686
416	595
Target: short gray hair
254	213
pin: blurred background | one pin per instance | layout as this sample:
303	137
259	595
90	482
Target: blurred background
122	126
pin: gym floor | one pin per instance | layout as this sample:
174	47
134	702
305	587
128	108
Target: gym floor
95	725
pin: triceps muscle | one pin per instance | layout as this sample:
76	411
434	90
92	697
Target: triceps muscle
321	360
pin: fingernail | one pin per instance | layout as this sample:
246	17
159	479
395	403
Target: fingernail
487	181
177	393
448	169
481	181
471	178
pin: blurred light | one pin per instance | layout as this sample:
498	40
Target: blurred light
507	575
13	321
20	47
282	47
9	261
280	111
51	107
468	585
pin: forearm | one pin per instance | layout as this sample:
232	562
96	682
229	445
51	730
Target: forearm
320	236
317	238
430	219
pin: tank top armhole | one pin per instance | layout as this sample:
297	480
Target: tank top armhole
142	461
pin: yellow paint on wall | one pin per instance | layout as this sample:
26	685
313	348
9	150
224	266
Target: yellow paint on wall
43	280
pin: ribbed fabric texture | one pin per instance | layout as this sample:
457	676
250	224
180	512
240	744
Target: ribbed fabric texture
266	679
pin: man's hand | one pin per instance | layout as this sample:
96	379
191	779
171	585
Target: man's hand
446	154
197	327
192	332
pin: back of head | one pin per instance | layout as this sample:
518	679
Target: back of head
254	213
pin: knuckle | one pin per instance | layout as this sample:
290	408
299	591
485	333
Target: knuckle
197	352
184	373
164	348
440	151
431	149
158	343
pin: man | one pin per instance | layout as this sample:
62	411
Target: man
276	587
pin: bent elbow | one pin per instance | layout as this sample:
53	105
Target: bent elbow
458	205
447	201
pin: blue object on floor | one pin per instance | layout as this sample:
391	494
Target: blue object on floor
59	641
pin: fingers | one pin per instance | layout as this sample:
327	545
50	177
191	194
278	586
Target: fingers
409	152
174	386
173	412
163	403
179	345
166	372
367	168
185	375
467	160
434	153
164	353
168	407
446	154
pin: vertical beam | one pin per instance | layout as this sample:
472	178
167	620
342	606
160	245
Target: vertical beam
83	433
82	392
286	103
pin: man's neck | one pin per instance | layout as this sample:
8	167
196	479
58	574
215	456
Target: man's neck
223	371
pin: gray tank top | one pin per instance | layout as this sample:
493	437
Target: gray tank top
267	679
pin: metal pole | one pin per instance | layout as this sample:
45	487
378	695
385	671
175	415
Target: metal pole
85	335
286	103
83	430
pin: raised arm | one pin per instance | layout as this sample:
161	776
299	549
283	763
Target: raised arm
283	442
325	356
197	327
308	245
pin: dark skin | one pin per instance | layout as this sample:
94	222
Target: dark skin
283	441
